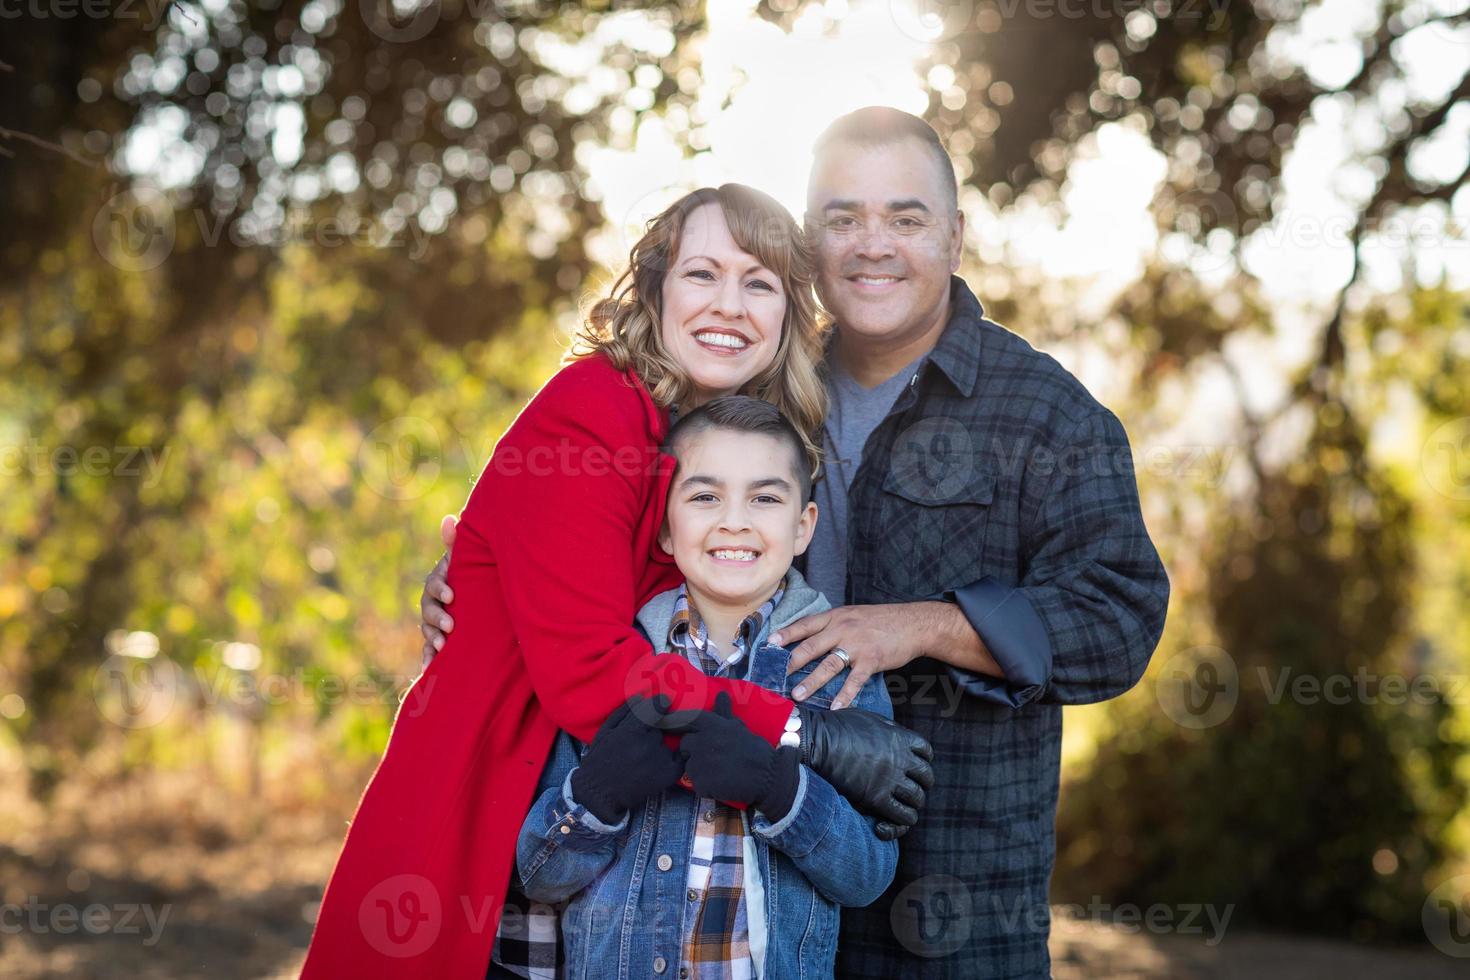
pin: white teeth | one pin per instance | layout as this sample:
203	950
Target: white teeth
877	280
722	340
734	554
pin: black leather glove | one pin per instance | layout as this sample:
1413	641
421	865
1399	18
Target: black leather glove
727	761
881	768
626	763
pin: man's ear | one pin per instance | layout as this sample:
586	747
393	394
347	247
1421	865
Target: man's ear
957	246
665	539
806	526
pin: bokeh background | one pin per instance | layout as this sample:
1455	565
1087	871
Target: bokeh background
275	276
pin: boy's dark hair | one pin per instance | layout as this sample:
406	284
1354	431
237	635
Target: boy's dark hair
741	413
878	125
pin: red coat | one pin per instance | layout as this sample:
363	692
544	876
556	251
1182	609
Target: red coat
557	550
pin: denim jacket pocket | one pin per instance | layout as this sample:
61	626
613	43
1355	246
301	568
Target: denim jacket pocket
933	533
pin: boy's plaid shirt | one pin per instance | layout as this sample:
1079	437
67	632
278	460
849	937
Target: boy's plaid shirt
717	946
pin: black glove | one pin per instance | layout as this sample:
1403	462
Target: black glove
881	768
727	761
626	763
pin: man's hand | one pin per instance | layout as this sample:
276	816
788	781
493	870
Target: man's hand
882	637
882	768
437	594
874	637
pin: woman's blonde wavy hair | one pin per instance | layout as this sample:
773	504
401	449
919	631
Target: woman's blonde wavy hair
625	326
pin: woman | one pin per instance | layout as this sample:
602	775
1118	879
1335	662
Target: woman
557	549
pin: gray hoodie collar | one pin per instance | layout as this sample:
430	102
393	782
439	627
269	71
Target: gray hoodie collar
799	600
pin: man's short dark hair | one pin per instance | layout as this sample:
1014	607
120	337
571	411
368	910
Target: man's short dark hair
741	413
878	125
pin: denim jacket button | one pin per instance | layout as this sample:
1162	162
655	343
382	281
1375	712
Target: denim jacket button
665	863
659	964
692	895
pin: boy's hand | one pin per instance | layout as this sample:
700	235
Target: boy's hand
627	761
727	761
437	624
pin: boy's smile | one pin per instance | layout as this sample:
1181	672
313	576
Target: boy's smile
735	521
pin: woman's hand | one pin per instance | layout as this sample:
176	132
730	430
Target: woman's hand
627	762
726	761
437	594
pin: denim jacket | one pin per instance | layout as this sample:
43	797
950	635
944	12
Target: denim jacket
625	885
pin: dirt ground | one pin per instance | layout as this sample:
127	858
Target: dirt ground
228	892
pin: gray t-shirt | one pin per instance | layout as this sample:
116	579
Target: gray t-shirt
853	414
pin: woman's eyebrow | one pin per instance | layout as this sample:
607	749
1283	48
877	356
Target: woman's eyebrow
756	266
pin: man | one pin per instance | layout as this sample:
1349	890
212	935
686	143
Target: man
982	537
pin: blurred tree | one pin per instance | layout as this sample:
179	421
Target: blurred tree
158	178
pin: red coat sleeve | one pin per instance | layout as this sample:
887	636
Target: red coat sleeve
558	509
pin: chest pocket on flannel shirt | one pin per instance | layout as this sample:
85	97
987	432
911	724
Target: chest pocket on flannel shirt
932	534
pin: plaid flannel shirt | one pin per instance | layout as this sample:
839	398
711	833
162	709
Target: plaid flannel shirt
718	944
998	482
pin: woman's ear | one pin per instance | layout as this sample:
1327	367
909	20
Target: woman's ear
806	526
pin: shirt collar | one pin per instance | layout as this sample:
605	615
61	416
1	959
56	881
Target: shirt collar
687	631
957	354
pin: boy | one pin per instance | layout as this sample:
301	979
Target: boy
664	882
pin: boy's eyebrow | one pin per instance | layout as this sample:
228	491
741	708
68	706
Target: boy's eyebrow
779	483
698	479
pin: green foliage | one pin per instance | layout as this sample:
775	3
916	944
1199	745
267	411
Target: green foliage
1330	795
